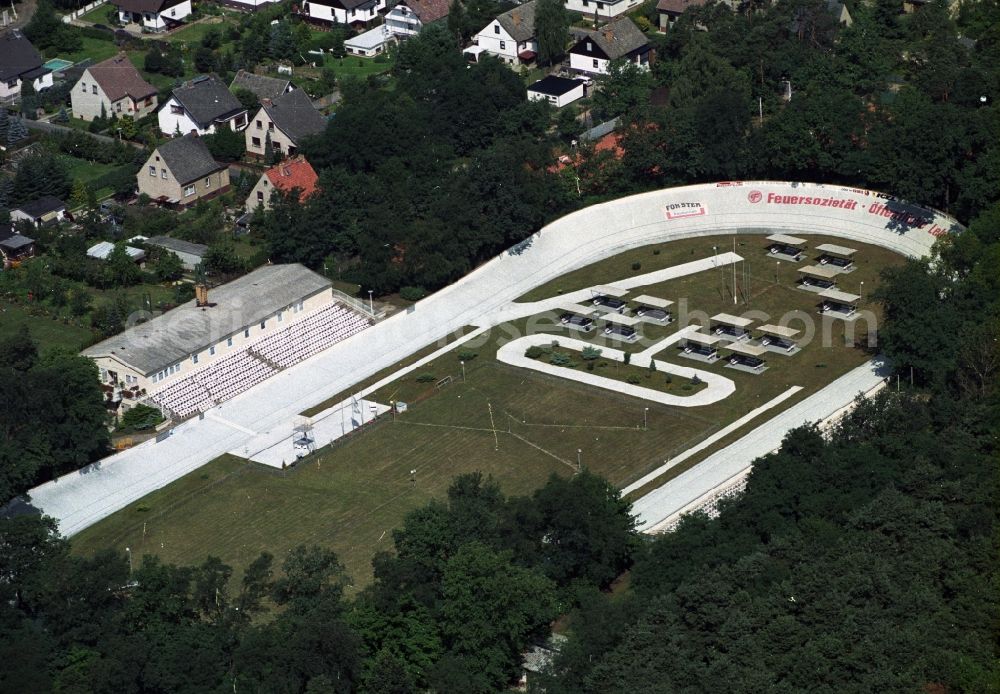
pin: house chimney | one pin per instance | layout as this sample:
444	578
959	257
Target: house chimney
266	102
201	295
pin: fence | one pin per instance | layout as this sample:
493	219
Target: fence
76	14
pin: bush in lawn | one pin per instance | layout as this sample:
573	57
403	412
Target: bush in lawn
560	359
590	354
627	359
669	379
656	251
412	293
633	379
467	355
425	378
636	265
695	380
141	417
534	352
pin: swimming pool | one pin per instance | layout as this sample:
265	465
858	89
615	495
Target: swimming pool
57	64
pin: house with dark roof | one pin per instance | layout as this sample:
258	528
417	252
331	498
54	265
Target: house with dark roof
288	176
558	91
617	40
201	106
669	11
261	86
153	15
511	36
602	9
181	172
19	61
45	210
113	87
286	122
409	17
14	246
356	13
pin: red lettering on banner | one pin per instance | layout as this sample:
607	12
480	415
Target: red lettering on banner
774	199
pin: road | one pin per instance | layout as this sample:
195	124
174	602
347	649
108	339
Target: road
484	298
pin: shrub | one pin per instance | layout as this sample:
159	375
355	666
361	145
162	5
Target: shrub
656	251
534	352
590	365
627	358
560	359
633	379
467	355
412	293
590	353
637	265
668	379
686	386
425	378
695	380
141	417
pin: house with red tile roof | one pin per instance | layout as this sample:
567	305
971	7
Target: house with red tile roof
115	87
290	175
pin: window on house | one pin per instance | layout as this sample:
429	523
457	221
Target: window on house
503	45
270	126
194	358
600	5
152	171
595	62
280	317
163	174
176	110
496	28
189	190
93	89
246	333
211	350
229	342
260	196
118	107
208	182
84	87
263	324
260	126
255	141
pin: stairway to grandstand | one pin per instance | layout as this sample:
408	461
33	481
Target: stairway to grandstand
257	361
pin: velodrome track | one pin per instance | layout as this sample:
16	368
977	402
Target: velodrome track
483	298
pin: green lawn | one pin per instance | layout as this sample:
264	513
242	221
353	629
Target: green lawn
356	67
520	426
194	33
93	48
84	170
48	331
99	15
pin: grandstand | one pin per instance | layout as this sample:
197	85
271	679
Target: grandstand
204	353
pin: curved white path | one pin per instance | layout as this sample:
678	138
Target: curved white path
719	387
81	498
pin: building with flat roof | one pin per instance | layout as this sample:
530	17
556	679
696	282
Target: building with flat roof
243	332
558	91
190	254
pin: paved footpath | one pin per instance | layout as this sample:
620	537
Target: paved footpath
81	498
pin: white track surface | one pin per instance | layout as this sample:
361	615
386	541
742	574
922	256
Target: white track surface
484	297
719	387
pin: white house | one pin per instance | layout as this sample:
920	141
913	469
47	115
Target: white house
409	17
285	122
153	15
620	39
201	106
114	87
558	91
511	36
19	61
370	43
103	249
603	9
349	12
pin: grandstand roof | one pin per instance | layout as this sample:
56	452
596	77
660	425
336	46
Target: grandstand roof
188	329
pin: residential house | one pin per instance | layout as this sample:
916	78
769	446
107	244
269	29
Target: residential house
356	13
511	36
153	15
602	9
45	210
201	106
669	11
286	121
409	17
190	254
620	39
15	246
370	43
181	172
113	87
19	61
103	249
290	175
261	86
558	91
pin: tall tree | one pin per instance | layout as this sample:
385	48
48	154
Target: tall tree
551	29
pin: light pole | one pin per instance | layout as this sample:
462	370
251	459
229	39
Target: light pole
777	270
128	551
371	302
579	463
463	370
861	289
645	414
